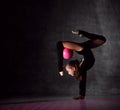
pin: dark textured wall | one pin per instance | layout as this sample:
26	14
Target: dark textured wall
29	59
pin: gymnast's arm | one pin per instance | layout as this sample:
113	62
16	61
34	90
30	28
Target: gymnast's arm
60	48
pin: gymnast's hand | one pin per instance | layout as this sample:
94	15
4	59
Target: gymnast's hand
61	73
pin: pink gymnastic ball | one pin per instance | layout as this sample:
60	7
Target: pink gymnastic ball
67	53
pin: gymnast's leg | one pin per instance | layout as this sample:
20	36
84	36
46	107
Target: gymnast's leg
95	39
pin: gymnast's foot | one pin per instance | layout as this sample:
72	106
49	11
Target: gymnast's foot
79	97
77	32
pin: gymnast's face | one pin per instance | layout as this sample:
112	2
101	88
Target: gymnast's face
70	70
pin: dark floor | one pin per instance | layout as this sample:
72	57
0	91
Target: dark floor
63	103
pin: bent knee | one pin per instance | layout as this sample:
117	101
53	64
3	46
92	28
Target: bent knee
99	42
102	40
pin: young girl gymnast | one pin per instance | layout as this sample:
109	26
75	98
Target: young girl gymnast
75	67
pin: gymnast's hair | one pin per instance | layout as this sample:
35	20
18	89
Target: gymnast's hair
74	63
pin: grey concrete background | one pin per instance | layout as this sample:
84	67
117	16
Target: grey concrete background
29	59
